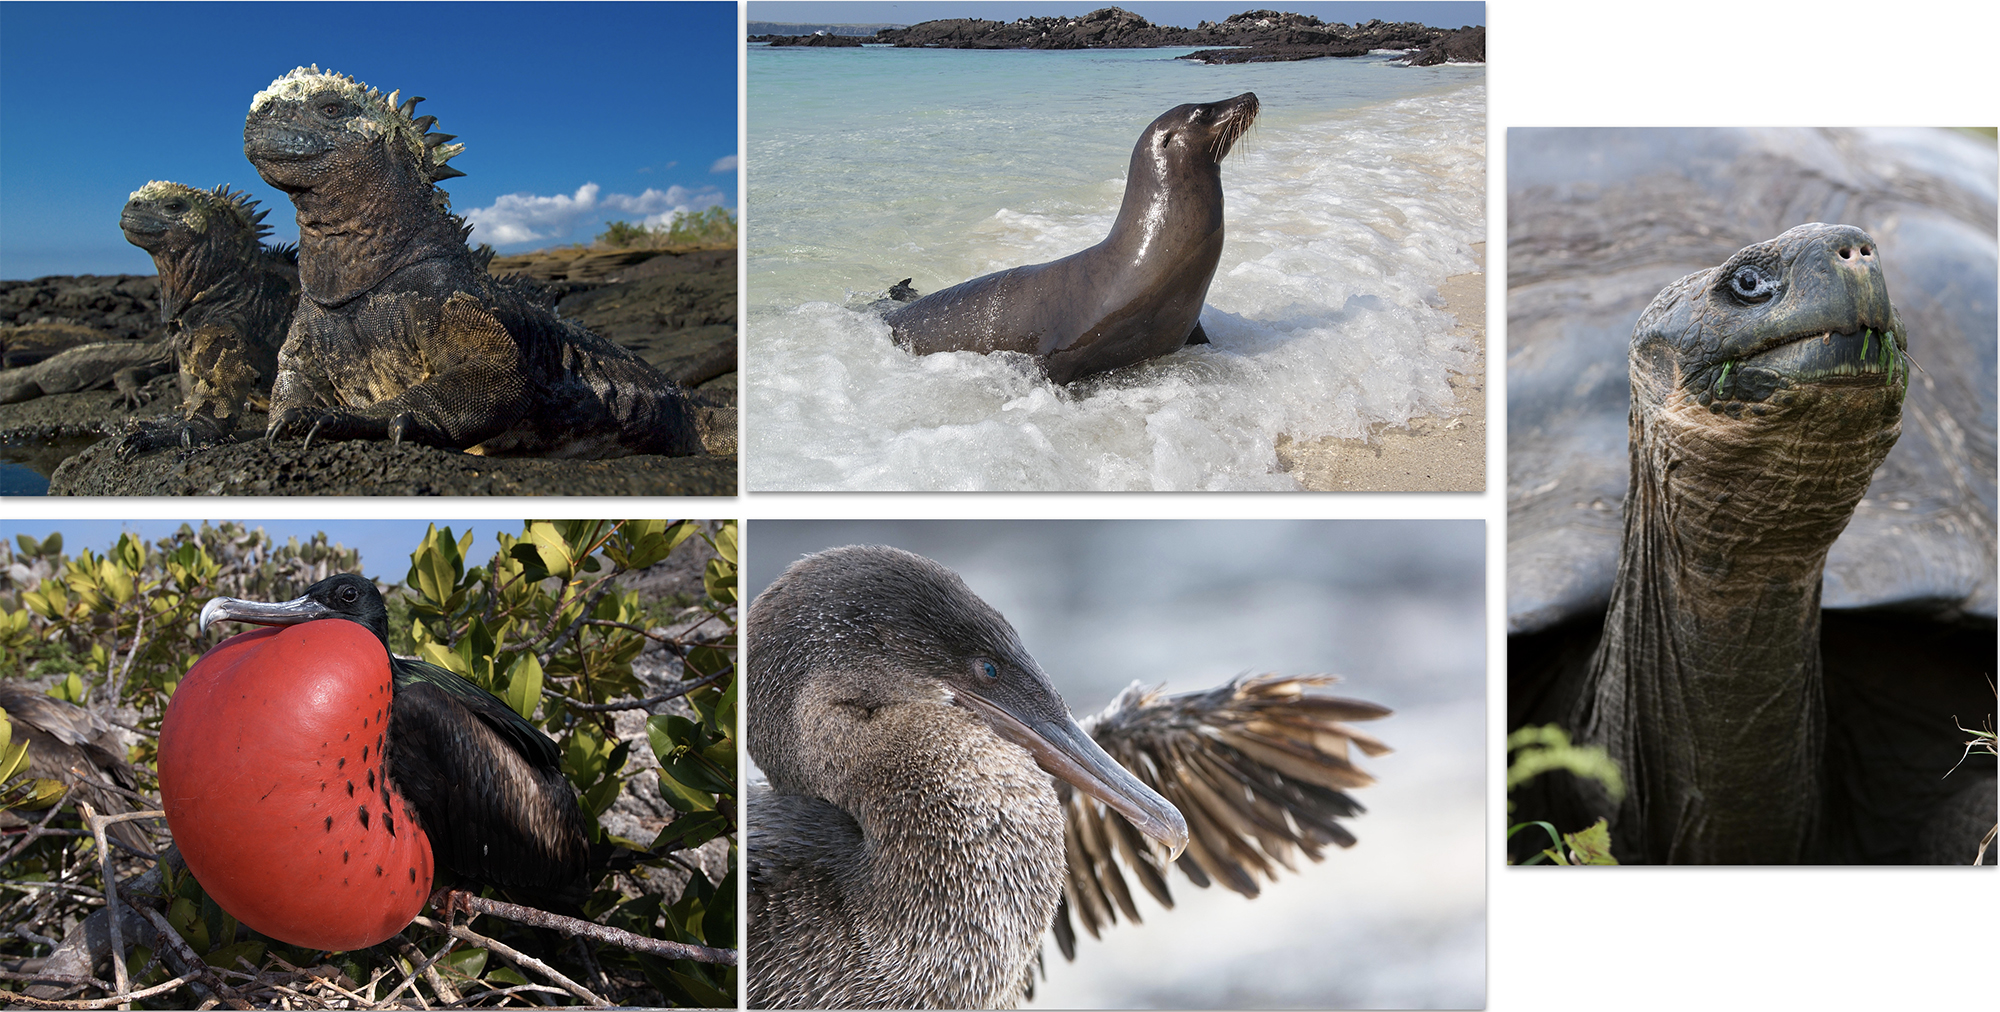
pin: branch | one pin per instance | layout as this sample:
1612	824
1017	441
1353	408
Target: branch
175	949
120	998
642	704
110	874
35	832
591	597
514	956
597	932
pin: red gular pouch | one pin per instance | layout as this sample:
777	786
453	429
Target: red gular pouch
272	776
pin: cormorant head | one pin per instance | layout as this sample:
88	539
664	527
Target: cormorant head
852	644
350	596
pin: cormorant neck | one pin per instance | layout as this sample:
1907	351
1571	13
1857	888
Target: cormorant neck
963	863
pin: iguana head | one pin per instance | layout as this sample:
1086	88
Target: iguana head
168	219
312	128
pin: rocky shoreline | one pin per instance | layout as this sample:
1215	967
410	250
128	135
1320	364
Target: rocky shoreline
676	308
1254	37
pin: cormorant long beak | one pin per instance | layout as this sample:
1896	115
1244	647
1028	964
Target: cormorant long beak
1066	750
293	612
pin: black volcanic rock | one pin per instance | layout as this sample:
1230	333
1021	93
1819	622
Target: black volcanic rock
838	41
675	308
1467	45
1259	36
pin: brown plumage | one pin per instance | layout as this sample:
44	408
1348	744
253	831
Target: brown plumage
75	746
1259	768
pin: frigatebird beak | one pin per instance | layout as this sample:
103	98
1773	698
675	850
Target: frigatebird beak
1066	750
293	612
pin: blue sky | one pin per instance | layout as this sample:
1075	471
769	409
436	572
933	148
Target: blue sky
385	545
1160	12
570	112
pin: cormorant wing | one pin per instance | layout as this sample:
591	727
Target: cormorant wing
1258	767
487	784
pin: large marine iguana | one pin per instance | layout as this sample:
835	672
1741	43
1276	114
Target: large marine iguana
225	298
402	333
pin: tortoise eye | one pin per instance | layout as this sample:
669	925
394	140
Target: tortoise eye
1751	283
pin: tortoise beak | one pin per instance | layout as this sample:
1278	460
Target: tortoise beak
1067	751
293	612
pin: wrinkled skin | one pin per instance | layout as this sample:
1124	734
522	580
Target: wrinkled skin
1781	640
1136	295
226	301
1765	393
402	333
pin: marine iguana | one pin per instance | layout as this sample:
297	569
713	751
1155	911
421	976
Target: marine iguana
402	333
225	298
127	365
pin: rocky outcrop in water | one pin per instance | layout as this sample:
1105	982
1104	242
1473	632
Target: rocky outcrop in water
835	41
1257	36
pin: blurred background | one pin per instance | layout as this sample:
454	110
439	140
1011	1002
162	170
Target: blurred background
1395	607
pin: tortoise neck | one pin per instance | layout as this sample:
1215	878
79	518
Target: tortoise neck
1706	686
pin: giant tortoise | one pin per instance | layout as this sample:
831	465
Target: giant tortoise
1764	583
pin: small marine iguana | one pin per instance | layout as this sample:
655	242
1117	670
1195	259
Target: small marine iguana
127	365
225	298
402	333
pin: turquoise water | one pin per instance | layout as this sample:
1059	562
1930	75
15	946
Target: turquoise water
1360	189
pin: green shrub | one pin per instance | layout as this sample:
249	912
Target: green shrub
544	623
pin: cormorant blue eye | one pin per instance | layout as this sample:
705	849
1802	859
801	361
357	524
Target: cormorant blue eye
988	669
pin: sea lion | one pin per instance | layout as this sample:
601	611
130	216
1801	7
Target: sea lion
1136	295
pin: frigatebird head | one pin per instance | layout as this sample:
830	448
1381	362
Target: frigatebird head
850	634
349	595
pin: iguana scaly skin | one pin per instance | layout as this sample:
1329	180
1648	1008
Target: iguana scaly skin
225	297
127	365
402	333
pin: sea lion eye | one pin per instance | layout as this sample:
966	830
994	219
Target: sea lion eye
1749	282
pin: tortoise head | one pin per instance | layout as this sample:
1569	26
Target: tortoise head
1767	390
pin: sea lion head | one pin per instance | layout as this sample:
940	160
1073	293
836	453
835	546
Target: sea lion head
1204	131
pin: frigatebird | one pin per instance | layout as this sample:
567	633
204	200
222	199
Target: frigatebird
79	748
911	848
347	757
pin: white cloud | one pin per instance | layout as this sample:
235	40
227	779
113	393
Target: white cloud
524	217
727	163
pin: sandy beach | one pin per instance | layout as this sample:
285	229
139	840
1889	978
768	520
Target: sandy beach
1430	453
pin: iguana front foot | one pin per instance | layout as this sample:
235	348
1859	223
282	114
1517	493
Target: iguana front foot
198	432
331	424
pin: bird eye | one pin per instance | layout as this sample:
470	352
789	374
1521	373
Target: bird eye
1750	282
990	670
349	594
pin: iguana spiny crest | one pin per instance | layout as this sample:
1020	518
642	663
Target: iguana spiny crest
198	208
379	117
